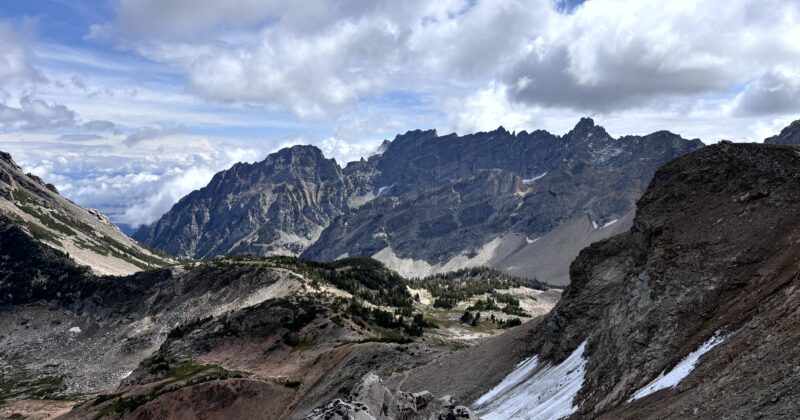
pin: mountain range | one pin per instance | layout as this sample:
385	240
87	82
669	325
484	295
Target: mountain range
525	203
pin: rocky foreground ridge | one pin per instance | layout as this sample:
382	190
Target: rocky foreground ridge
85	234
694	312
237	337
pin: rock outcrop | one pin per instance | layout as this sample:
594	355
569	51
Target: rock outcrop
371	400
789	135
694	312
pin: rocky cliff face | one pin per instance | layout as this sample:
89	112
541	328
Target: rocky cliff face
693	312
789	135
525	203
275	207
428	203
85	234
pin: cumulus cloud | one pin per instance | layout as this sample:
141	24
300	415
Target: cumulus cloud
347	151
15	53
611	55
487	109
597	56
775	92
133	185
35	114
316	59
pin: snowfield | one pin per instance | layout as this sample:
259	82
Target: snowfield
536	391
681	370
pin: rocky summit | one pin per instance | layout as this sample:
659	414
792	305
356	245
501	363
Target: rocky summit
275	207
522	202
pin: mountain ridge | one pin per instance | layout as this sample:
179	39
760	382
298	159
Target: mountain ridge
87	235
557	170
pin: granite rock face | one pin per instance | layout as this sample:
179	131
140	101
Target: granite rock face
449	202
427	202
275	207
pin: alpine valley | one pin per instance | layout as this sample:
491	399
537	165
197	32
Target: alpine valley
494	275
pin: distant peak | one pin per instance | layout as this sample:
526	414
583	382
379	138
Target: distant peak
584	124
383	147
301	150
7	157
423	134
585	128
789	135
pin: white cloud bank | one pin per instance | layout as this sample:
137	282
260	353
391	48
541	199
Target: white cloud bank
314	58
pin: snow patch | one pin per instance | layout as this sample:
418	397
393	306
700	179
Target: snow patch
594	225
535	390
607	224
681	370
534	179
381	190
532	241
75	329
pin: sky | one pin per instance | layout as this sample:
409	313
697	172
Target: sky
128	105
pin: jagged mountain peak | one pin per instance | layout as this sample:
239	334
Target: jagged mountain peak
273	207
586	129
415	135
789	135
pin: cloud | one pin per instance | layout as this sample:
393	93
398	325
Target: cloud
316	59
133	186
36	114
15	53
149	133
775	92
486	110
613	55
347	151
319	59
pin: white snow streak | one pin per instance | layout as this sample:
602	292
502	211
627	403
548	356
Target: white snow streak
608	224
382	189
680	371
534	179
75	329
530	241
536	391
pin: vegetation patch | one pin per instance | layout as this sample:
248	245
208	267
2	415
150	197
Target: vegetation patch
451	288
